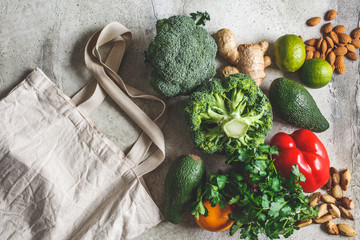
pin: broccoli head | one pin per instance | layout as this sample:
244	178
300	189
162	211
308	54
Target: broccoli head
182	55
227	114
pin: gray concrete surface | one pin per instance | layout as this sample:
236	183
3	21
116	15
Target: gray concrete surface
52	35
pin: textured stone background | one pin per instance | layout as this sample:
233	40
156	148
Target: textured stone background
52	35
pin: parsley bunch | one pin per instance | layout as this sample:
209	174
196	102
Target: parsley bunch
263	200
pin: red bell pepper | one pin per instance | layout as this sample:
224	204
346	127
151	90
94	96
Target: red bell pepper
303	148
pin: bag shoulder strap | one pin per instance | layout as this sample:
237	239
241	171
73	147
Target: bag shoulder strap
107	81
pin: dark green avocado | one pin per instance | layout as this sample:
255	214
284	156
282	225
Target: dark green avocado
183	178
295	105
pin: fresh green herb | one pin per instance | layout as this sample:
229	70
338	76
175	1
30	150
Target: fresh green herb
268	203
200	17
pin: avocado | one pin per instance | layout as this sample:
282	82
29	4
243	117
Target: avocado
294	104
183	178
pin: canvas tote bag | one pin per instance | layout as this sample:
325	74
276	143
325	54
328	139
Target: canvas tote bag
60	177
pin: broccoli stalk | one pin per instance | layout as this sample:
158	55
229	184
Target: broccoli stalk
228	114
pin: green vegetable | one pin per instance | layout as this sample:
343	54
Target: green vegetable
265	201
182	54
228	114
183	178
294	104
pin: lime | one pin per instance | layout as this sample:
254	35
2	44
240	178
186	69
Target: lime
316	73
289	51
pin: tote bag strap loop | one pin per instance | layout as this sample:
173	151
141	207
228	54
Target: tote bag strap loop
107	81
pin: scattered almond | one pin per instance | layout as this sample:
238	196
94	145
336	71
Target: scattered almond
345	213
334	37
346	230
311	42
323	56
328	28
340	51
332	228
352	56
355	33
356	43
305	223
310	48
347	203
313	21
344	38
328	51
309	55
323	47
334	210
340	29
329	41
350	48
346	175
316	54
328	198
330	15
333	67
331	58
318	43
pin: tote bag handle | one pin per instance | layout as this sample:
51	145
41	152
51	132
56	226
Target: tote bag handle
107	81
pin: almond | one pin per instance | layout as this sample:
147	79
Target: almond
310	48
323	209
330	15
352	56
309	55
350	48
311	42
331	58
340	29
324	47
324	219
340	51
334	37
355	33
346	230
333	67
347	203
344	38
332	228
318	43
346	175
322	56
316	54
313	21
356	43
328	198
340	69
329	41
327	28
305	223
336	190
346	213
328	51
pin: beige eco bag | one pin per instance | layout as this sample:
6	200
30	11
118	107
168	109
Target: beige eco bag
60	177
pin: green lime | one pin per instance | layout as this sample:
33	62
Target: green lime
289	51
316	73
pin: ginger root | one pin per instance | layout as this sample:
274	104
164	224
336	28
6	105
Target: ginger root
247	58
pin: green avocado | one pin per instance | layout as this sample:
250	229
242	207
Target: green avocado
182	180
294	104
